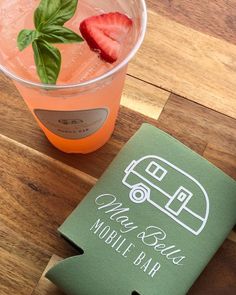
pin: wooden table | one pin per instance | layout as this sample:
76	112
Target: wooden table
183	80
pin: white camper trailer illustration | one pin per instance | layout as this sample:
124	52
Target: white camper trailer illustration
169	189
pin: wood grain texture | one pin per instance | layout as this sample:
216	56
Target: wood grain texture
214	17
37	194
222	156
188	63
44	286
216	278
232	236
196	124
144	98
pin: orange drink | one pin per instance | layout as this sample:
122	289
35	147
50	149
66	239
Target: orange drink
78	113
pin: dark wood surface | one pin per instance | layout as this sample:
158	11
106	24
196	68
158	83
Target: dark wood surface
215	18
190	46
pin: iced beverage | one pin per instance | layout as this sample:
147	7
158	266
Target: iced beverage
77	114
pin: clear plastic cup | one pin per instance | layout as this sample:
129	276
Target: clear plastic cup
79	117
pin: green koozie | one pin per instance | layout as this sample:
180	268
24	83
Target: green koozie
151	223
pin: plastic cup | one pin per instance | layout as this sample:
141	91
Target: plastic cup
80	117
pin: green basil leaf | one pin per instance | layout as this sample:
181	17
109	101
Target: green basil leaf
58	34
45	10
48	61
54	12
25	38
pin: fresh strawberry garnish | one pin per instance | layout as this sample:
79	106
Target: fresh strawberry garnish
105	34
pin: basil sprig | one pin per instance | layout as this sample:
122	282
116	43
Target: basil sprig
49	20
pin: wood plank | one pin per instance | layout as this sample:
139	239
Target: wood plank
16	276
197	122
37	194
144	98
44	286
217	278
223	155
232	236
213	17
189	63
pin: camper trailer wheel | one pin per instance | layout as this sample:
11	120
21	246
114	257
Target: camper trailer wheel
138	194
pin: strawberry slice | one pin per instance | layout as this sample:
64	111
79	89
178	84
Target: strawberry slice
105	34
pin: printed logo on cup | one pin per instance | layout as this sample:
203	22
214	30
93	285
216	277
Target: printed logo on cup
72	124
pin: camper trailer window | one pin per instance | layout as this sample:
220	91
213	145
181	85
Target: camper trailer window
156	171
182	194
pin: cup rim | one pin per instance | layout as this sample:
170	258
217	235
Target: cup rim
106	75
